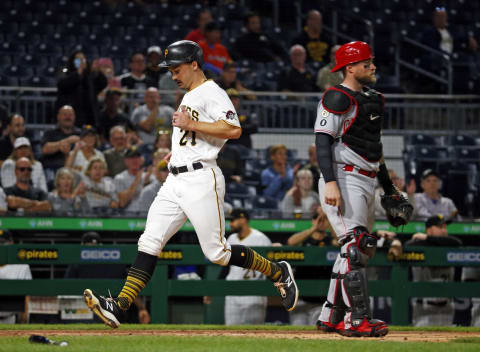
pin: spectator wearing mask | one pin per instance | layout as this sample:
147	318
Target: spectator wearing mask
78	86
21	149
23	197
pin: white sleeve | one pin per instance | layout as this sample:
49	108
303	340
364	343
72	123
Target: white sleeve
222	109
3	200
8	177
328	122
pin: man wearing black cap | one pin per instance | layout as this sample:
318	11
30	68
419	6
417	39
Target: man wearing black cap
240	310
436	311
431	202
129	183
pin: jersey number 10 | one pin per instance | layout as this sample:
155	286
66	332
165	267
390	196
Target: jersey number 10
184	139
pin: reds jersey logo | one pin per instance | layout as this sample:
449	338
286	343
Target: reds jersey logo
230	115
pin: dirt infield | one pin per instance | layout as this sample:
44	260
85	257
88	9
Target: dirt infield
417	336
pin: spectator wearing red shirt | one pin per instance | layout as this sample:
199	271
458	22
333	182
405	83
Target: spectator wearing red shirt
215	54
197	35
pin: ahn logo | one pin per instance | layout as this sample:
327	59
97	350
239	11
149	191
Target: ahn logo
100	254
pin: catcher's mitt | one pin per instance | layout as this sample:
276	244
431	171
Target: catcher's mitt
398	209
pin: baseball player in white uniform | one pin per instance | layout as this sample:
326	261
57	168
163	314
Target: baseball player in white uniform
245	310
194	189
350	157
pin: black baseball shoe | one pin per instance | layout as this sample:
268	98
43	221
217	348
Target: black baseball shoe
287	287
106	309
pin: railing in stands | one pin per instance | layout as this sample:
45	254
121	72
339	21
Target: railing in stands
282	111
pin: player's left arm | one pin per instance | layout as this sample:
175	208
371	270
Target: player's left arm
219	129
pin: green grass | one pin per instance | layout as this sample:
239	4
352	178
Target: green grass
226	344
146	343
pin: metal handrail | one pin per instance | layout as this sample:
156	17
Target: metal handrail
447	57
270	93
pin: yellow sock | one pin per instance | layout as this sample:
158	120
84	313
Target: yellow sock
136	281
256	262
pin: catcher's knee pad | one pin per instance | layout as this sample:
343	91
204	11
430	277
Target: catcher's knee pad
355	284
366	242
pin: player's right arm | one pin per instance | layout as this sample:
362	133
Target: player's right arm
220	129
334	103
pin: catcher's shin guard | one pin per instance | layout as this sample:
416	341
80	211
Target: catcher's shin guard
355	288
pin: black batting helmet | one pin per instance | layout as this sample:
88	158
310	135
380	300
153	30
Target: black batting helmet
183	51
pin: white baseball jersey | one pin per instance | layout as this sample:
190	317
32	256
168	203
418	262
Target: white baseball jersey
256	238
207	103
197	194
246	309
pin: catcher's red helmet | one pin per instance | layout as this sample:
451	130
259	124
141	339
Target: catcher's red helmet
350	53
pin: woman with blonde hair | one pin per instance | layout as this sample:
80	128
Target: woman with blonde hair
65	198
99	190
301	201
22	148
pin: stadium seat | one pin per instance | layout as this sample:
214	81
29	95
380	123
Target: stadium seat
48	49
461	140
12	48
261	202
21	72
9	81
420	139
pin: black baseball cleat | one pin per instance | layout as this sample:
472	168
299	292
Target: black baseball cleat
287	287
106	309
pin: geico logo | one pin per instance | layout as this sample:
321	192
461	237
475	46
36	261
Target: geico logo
331	256
463	257
99	254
